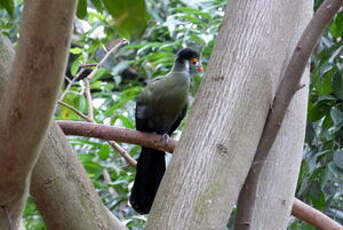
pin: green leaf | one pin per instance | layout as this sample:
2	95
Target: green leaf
75	66
338	159
75	50
337	85
130	17
98	5
104	152
8	5
193	11
81	9
317	111
336	27
126	122
337	116
335	171
193	20
326	82
93	168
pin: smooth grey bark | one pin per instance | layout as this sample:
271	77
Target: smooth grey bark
278	180
216	150
60	186
277	184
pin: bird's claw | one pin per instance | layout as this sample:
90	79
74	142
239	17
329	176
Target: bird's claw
165	138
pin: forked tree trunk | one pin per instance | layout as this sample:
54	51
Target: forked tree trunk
216	150
60	186
29	98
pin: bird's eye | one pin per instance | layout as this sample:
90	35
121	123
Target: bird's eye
194	61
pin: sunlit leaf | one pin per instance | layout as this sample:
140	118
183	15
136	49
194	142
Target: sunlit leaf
130	17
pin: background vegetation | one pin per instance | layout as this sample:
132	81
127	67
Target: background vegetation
168	26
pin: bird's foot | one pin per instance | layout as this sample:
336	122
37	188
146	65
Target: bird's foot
165	138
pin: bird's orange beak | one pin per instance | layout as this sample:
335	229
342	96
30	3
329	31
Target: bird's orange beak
196	62
200	69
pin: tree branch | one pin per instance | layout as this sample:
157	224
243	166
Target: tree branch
118	134
90	118
287	88
119	43
89	100
74	110
314	217
300	210
123	153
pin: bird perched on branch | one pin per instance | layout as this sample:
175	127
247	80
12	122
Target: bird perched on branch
160	109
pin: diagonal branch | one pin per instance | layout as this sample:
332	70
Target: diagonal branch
119	43
74	110
287	88
300	210
314	217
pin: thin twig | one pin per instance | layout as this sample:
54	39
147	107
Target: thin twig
71	83
287	88
87	65
88	94
74	110
89	100
107	179
90	118
120	43
132	162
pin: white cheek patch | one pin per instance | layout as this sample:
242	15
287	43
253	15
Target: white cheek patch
187	66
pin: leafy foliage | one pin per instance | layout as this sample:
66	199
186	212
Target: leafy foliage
8	5
157	29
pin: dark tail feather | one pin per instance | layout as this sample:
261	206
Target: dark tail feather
151	166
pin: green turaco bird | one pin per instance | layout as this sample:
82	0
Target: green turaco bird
160	109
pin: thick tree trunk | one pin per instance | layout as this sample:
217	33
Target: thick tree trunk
216	150
29	99
60	186
63	192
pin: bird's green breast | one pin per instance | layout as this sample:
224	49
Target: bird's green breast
169	95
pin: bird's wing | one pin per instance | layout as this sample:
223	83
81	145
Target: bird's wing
154	80
142	115
178	120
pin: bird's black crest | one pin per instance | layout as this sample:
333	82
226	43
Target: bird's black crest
186	54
